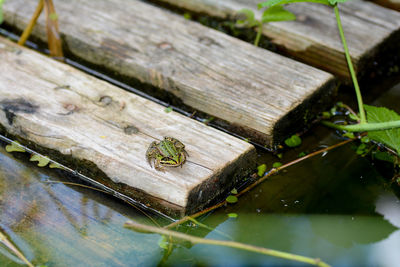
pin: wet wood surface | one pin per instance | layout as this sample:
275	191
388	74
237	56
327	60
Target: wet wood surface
314	38
264	96
92	126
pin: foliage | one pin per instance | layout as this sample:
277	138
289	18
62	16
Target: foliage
15	146
168	109
284	2
293	141
276	165
383	125
390	137
232	215
275	13
231	199
261	170
1	10
42	161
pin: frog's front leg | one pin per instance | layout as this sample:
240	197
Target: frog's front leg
157	165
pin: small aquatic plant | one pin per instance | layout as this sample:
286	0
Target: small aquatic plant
275	13
382	124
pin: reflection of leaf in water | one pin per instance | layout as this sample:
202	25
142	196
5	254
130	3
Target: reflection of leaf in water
347	231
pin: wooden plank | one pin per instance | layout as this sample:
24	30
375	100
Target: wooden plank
264	95
104	131
314	38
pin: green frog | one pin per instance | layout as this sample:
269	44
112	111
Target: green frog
169	152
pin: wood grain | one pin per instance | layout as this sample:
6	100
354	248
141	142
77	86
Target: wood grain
98	128
314	38
265	96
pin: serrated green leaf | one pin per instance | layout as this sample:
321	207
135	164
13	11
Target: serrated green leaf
42	161
271	3
261	170
277	13
293	141
390	138
231	199
232	215
15	146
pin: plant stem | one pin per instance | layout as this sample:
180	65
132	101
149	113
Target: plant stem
258	36
28	29
351	68
259	181
197	240
8	244
367	127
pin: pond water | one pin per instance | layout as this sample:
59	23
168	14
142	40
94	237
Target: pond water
335	206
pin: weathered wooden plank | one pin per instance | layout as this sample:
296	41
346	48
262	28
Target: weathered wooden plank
313	38
268	95
105	131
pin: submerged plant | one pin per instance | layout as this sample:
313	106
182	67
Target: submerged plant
275	13
382	124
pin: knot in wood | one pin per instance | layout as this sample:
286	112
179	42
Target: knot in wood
105	100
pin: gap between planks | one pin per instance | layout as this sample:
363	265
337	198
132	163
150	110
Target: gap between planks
263	96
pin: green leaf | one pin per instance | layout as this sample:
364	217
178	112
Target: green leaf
187	15
15	146
384	156
349	135
261	170
354	117
168	109
55	165
163	242
42	161
276	165
234	191
232	215
277	13
284	2
302	154
334	2
293	141
1	11
390	138
231	199
250	20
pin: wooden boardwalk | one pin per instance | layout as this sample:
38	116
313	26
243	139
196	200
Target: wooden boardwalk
258	92
104	132
313	38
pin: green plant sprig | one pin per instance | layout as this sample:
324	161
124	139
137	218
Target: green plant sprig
382	123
